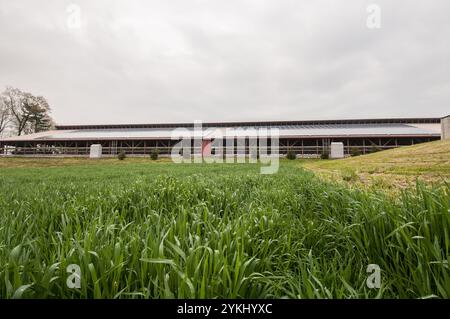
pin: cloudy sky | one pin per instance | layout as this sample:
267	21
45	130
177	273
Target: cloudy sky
228	60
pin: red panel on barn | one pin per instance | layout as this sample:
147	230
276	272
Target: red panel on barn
206	148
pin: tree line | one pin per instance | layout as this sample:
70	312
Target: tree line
23	113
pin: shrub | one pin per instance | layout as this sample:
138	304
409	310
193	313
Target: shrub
154	155
324	155
291	155
376	149
355	151
121	156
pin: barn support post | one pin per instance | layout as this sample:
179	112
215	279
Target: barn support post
303	149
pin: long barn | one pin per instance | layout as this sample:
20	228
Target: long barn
305	138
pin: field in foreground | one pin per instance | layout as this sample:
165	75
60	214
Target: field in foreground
162	230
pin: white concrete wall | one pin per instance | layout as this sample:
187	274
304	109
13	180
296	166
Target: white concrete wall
96	151
337	150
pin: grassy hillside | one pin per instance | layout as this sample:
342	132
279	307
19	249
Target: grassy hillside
396	167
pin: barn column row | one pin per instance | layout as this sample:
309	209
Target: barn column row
304	147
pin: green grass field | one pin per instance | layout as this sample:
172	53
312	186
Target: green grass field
140	229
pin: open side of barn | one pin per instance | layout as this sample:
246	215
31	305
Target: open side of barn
305	138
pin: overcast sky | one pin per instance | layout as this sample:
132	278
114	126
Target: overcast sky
228	60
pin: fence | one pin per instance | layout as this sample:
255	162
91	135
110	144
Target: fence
301	151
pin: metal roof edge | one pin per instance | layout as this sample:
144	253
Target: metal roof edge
252	123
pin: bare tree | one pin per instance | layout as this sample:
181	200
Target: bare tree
28	113
13	100
4	116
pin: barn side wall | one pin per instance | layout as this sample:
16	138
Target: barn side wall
302	147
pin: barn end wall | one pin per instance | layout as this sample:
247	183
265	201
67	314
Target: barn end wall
445	127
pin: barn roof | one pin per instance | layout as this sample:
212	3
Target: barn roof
374	129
